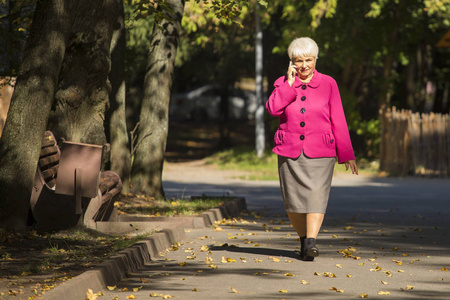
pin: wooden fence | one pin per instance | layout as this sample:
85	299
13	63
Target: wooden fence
415	144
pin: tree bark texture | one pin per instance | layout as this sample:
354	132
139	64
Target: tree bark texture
154	115
30	106
116	129
83	92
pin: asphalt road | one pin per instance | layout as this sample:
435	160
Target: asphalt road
382	238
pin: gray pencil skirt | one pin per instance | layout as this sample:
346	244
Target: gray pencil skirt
305	183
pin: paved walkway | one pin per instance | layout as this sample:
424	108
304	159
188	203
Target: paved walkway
381	239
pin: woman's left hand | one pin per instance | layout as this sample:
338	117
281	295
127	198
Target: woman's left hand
352	165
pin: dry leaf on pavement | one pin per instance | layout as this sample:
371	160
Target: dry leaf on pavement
383	293
336	289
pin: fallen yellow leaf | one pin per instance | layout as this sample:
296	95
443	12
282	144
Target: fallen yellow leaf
182	264
156	295
131	297
409	287
383	293
283	291
288	274
336	289
384	282
111	288
136	289
274	259
304	282
204	248
89	295
339	266
444	269
195	290
143	280
166	296
234	290
364	295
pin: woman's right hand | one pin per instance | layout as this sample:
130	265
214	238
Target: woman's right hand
292	71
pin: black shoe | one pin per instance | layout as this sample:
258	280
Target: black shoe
310	249
302	247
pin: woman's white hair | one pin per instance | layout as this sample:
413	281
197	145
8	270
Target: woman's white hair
303	47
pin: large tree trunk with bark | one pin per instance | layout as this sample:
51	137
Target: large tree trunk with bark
154	116
83	92
28	114
116	129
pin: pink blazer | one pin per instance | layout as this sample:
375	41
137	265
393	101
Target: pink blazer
312	119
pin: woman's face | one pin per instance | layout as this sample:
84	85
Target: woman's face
305	66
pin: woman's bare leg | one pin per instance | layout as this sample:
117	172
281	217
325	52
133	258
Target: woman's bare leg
299	223
313	224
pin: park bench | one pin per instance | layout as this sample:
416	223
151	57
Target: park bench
70	188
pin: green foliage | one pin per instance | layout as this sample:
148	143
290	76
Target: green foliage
368	130
15	21
138	35
322	8
214	49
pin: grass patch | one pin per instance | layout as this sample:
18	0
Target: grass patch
243	158
143	205
35	263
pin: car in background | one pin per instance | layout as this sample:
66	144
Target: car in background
203	104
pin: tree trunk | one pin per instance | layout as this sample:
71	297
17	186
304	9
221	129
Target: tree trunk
28	114
83	91
386	84
116	132
154	116
260	141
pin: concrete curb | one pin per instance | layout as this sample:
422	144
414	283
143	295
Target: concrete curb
112	271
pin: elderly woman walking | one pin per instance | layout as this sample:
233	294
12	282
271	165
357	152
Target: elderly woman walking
312	133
